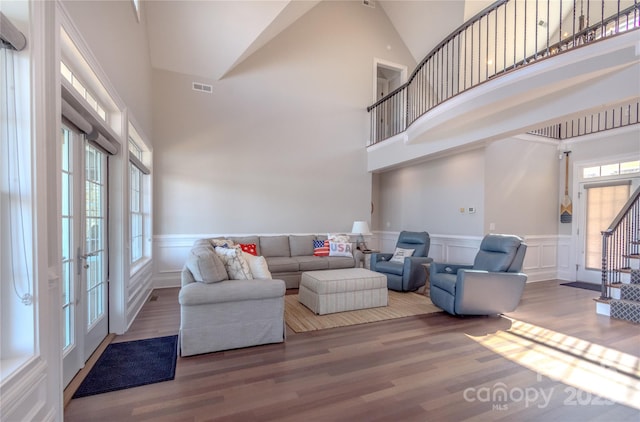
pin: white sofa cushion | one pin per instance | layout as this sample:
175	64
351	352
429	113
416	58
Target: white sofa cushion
235	263
258	266
205	266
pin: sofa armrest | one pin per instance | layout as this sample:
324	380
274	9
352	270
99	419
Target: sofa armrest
186	277
230	291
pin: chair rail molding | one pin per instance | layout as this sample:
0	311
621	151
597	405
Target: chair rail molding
547	258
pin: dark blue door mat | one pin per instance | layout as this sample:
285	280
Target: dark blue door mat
583	285
131	364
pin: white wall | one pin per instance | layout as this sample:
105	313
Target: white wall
521	193
428	196
119	43
280	144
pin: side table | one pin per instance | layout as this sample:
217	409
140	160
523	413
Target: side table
425	289
367	258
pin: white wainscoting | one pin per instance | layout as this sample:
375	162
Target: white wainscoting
24	397
547	258
138	290
169	255
566	258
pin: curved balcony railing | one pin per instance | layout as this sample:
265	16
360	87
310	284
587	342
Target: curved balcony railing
507	35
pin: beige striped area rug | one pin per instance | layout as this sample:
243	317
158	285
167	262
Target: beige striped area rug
300	319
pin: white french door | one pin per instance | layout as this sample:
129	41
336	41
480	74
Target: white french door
84	250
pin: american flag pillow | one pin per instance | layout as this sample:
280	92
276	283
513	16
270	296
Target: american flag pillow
320	248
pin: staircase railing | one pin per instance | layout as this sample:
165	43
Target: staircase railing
617	243
507	35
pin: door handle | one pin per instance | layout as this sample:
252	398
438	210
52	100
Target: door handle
82	257
87	255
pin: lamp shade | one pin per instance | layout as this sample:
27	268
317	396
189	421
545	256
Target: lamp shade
360	227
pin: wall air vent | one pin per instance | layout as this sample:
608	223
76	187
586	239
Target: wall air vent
197	86
369	3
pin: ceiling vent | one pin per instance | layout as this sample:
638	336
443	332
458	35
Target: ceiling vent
368	3
197	86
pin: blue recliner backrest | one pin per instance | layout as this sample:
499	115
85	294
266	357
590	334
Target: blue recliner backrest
419	241
500	253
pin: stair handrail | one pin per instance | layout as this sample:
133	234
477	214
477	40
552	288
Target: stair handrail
630	209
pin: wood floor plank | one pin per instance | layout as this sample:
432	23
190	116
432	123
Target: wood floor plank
428	367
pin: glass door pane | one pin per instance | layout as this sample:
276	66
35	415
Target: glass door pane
95	247
68	291
603	204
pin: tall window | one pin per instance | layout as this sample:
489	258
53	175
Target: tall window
139	199
17	313
137	232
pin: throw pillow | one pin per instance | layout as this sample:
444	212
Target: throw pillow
400	254
340	249
320	248
235	264
249	248
224	243
258	266
339	238
205	266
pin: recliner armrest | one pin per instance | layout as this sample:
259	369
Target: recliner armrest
443	267
377	257
485	293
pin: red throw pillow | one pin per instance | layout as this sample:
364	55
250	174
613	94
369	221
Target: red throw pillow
249	248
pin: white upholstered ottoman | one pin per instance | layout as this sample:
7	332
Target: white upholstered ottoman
329	291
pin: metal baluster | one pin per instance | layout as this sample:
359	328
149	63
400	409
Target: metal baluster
548	9
603	292
471	59
446	62
603	32
495	46
486	57
535	51
479	50
504	40
574	23
560	30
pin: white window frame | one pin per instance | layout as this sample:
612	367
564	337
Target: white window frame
139	202
136	214
18	313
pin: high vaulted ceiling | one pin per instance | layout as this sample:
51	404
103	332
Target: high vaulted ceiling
209	38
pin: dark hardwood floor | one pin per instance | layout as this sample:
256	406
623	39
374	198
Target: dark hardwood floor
553	359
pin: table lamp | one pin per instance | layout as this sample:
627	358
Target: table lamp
361	228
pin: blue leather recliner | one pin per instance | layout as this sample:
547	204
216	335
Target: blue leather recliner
410	274
492	285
